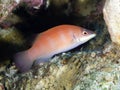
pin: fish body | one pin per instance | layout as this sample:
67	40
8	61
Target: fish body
53	41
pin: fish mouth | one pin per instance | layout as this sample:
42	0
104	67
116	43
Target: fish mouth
93	35
86	38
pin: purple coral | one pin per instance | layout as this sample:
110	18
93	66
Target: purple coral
34	3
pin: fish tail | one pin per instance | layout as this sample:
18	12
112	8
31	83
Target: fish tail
22	61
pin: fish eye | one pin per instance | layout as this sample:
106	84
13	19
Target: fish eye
85	33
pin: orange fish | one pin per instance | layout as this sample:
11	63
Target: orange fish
53	41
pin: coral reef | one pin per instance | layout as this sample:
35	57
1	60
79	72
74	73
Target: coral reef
92	66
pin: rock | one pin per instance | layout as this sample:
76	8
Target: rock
6	7
112	18
82	72
85	69
84	7
11	35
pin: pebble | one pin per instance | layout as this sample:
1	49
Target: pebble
93	54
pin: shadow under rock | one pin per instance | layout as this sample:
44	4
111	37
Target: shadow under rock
7	50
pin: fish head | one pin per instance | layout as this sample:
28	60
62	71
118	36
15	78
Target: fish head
83	35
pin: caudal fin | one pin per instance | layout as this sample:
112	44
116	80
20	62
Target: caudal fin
23	61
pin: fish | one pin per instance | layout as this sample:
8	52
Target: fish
53	41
